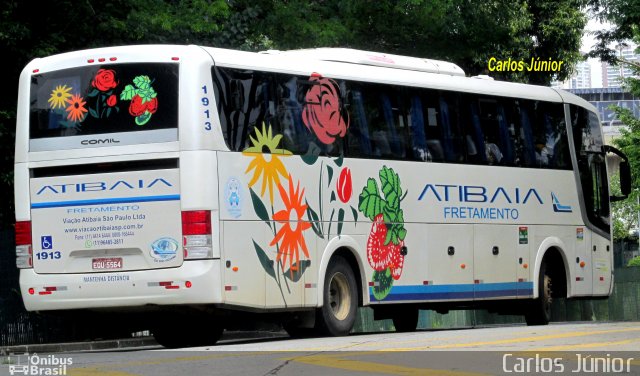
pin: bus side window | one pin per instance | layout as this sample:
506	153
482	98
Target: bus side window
358	141
238	93
476	135
526	136
416	128
506	142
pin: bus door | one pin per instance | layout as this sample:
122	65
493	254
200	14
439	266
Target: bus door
595	266
495	261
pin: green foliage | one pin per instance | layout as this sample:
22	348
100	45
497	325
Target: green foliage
624	17
634	261
461	31
456	30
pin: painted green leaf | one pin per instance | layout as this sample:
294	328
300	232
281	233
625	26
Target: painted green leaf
145	95
330	173
142	82
144	118
309	158
296	275
108	111
313	218
93	93
339	161
333	196
340	220
128	93
370	203
383	281
259	207
390	214
402	233
266	263
93	113
355	214
390	183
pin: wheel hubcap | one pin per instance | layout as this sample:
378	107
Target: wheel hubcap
339	297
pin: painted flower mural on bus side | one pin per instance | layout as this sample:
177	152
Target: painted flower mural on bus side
144	101
323	113
385	244
287	224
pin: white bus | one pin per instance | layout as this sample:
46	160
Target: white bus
195	189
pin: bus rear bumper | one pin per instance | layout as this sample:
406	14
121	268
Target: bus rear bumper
195	282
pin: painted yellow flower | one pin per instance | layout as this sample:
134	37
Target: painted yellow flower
266	161
59	96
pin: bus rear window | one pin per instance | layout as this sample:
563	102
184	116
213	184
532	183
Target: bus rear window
133	103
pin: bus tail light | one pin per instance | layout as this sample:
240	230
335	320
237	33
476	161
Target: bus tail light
24	251
196	235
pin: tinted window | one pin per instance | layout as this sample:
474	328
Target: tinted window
104	99
368	120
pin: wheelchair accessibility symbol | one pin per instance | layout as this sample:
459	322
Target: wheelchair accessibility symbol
46	242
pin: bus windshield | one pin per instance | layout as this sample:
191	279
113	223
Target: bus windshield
68	105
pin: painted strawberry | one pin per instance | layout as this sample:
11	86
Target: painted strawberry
377	253
397	259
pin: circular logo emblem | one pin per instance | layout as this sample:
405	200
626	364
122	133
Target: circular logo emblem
164	249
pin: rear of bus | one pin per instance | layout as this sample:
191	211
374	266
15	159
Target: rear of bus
115	180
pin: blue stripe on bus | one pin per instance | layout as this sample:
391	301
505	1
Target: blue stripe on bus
102	201
457	292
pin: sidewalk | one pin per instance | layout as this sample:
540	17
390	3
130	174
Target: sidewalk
122	343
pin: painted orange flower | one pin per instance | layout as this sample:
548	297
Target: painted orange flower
292	226
76	110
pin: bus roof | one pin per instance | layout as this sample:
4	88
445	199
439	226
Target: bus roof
340	63
325	62
379	59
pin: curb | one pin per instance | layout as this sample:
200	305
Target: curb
121	343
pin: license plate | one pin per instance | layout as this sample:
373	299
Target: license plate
107	263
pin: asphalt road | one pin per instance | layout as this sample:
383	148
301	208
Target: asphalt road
588	348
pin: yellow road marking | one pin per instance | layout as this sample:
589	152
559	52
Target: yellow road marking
341	362
96	372
516	340
586	346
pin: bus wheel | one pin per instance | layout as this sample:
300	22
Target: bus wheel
181	334
406	319
338	313
540	310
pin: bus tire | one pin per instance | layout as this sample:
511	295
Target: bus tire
195	334
338	313
405	319
539	312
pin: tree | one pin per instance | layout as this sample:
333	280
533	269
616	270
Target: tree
461	31
624	16
31	29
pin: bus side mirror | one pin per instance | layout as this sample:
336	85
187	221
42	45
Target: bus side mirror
625	178
625	173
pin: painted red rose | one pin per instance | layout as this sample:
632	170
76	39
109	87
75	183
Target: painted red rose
112	100
344	187
322	110
105	80
137	108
